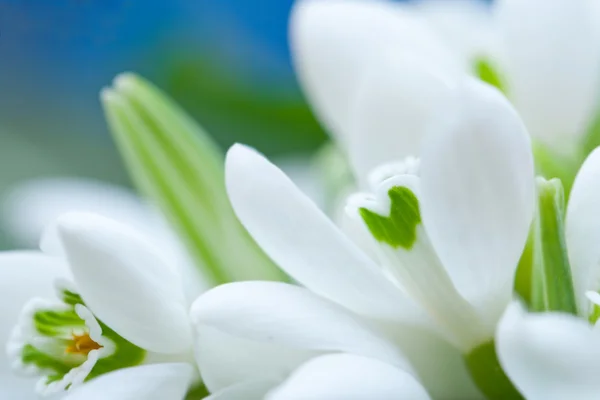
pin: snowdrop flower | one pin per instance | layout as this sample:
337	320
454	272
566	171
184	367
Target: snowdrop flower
555	355
31	207
111	301
446	235
545	55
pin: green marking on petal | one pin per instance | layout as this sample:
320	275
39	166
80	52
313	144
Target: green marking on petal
31	355
594	315
485	70
58	338
70	298
399	229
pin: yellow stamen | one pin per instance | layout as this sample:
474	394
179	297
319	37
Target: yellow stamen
82	344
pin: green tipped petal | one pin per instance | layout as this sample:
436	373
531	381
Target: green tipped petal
399	229
175	163
551	281
486	71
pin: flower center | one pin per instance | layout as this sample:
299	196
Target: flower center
65	344
82	344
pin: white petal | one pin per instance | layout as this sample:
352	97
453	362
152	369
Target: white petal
304	242
31	206
23	276
306	176
225	360
30	211
418	269
467	26
477	187
439	365
348	377
549	356
148	382
393	109
249	390
553	59
582	230
126	282
333	42
279	313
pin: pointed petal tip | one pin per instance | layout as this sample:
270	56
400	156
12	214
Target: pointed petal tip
241	159
108	95
125	80
75	223
239	151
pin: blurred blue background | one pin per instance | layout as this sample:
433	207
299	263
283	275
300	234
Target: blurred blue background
227	62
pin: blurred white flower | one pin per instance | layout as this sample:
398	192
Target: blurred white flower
108	301
446	235
557	355
31	207
544	54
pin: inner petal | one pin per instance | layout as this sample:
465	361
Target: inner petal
392	217
64	344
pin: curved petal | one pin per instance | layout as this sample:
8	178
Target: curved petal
346	376
467	26
279	313
126	282
393	108
439	365
333	41
552	64
23	276
582	230
550	356
477	187
304	242
149	382
31	206
226	360
249	390
31	209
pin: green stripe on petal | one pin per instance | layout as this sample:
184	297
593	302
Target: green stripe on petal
399	229
176	164
66	344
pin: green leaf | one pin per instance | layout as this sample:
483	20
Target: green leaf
176	164
552	284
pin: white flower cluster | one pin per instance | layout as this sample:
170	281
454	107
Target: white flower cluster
454	272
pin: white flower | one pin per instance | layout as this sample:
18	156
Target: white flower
157	381
30	208
110	301
557	355
447	243
544	53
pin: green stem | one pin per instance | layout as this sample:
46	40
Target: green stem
488	375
